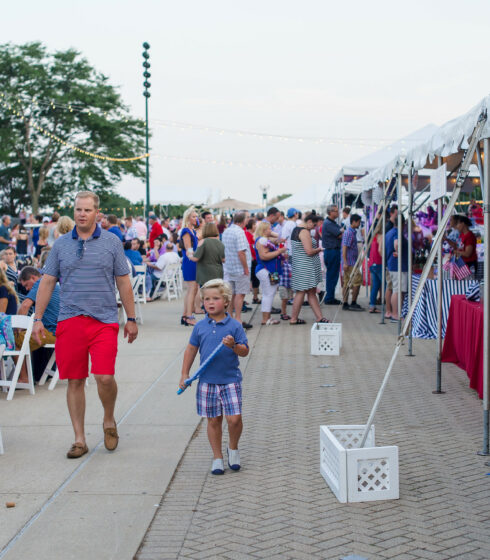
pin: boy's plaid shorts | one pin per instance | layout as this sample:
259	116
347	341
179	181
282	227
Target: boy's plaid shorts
212	399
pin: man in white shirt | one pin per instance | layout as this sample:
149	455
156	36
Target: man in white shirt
238	261
158	268
288	227
141	228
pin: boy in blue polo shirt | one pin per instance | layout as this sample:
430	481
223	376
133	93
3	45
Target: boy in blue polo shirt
220	389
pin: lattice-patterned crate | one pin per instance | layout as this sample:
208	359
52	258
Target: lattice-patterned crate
326	339
354	474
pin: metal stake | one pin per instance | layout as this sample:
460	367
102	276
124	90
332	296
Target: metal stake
383	260
486	298
399	251
439	390
410	256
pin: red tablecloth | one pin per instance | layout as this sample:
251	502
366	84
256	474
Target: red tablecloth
463	344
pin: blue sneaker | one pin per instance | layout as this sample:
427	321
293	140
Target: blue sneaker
218	467
234	459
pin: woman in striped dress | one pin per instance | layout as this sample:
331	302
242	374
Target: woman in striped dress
306	270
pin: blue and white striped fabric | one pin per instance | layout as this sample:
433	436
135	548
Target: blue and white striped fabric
424	321
473	292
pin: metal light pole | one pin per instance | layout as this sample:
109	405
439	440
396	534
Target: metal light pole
146	93
264	189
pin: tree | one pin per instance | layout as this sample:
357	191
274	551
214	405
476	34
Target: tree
52	103
278	198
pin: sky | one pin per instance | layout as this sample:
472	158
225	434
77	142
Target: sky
356	74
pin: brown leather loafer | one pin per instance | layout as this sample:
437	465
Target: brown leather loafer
77	450
110	438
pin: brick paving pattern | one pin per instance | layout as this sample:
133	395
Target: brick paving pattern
278	505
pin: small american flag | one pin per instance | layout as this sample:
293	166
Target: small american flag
459	270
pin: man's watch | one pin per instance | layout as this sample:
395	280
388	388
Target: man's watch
132	319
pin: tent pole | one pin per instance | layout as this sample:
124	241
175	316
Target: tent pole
480	166
383	258
399	251
439	390
342	194
410	254
366	270
486	299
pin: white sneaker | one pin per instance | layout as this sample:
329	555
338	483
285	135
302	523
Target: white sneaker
218	467
234	459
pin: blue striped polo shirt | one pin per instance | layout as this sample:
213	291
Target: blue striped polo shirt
86	271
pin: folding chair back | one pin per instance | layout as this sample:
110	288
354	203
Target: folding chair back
170	277
23	355
141	272
2	349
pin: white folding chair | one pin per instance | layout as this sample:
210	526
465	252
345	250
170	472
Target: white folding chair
180	282
23	355
136	282
51	370
141	271
2	349
170	277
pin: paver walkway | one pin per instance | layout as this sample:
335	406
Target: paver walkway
278	505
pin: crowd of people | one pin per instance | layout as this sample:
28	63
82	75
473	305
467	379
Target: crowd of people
66	273
299	256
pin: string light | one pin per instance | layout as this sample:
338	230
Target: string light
68	144
229	163
186	126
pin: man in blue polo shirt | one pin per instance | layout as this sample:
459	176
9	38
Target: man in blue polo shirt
29	279
89	262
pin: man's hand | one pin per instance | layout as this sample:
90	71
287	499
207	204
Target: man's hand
38	332
229	341
246	272
130	331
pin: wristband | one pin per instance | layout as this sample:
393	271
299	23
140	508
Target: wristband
38	320
132	319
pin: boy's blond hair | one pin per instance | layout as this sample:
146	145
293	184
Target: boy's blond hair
218	284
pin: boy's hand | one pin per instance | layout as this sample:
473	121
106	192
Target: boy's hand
229	341
182	381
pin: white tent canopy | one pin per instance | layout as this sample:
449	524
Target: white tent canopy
381	157
444	141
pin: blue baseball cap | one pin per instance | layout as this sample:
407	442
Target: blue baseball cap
291	212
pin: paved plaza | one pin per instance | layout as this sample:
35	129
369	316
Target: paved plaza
278	505
155	499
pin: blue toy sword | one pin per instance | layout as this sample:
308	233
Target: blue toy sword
202	367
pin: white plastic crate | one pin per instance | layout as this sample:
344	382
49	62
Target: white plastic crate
326	339
357	475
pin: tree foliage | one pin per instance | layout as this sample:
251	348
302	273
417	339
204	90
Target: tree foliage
64	95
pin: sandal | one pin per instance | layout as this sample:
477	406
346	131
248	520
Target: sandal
285	317
374	310
324	320
189	321
271	322
256	300
298	322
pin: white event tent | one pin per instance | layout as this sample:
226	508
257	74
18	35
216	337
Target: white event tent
458	143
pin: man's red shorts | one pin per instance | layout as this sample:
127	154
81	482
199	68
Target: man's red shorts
81	336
